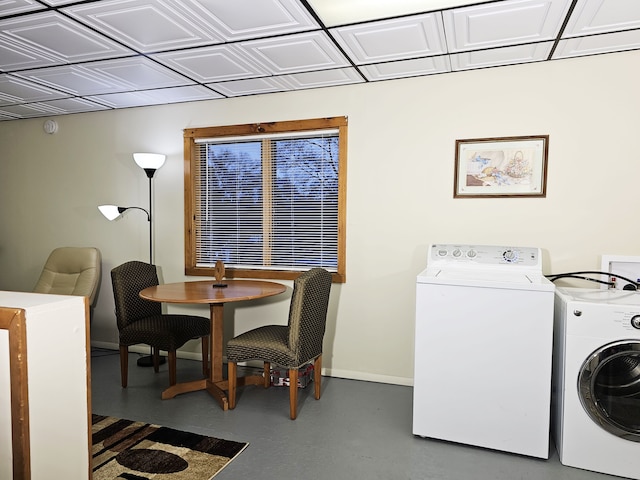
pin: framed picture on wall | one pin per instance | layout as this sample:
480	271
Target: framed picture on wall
501	167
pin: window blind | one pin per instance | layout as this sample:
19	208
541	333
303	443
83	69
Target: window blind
268	201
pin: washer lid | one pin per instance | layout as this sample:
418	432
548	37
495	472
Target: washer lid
497	278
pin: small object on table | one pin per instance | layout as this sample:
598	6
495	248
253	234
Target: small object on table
218	273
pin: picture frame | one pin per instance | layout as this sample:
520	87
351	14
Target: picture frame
501	167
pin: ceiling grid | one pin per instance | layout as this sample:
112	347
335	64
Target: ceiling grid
62	57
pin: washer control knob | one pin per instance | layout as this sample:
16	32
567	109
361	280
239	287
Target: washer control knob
510	255
635	321
471	254
457	252
442	252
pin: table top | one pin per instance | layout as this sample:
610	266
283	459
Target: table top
203	291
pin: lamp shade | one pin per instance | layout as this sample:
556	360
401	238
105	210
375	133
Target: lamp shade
111	212
152	161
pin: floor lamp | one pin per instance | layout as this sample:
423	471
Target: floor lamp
149	162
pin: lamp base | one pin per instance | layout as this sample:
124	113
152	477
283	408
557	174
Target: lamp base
147	361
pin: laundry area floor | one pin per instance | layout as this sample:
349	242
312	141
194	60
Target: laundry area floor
357	430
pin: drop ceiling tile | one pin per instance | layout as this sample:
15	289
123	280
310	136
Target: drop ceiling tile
407	68
601	16
323	78
189	93
73	105
213	64
296	53
155	97
343	12
15	90
53	35
501	56
6	116
73	79
596	44
16	56
123	100
145	25
57	3
138	73
29	110
504	23
266	18
397	39
12	7
251	86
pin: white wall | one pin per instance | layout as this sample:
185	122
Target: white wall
400	189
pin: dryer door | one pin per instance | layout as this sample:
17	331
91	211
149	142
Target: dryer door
609	388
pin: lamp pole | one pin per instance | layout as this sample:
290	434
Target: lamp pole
149	162
150	175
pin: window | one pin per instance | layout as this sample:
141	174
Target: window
266	199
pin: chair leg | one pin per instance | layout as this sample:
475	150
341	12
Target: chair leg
124	365
172	367
266	373
231	381
293	393
317	376
205	356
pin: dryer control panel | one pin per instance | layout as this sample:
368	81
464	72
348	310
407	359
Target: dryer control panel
484	255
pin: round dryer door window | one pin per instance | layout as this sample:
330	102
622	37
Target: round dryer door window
609	388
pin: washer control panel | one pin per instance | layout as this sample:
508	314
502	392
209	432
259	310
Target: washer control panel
484	255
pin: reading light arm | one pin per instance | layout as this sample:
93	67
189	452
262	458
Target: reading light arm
122	210
111	212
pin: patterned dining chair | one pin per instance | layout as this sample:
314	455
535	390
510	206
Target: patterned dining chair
142	321
290	346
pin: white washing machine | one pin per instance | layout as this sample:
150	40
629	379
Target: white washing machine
483	348
596	401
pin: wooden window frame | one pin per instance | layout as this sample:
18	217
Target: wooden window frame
190	203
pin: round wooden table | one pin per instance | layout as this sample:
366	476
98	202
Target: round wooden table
207	291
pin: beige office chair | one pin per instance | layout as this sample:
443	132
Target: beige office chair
290	346
71	271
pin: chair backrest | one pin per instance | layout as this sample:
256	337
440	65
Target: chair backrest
128	280
71	271
308	313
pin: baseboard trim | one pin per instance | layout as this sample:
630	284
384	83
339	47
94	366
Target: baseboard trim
144	349
327	372
367	377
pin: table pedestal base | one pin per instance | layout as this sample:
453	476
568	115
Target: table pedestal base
216	389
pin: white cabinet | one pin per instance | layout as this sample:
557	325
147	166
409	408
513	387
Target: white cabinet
45	395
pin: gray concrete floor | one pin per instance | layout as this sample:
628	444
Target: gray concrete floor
357	430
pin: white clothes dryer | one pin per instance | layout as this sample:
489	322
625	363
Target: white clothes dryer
596	399
483	347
